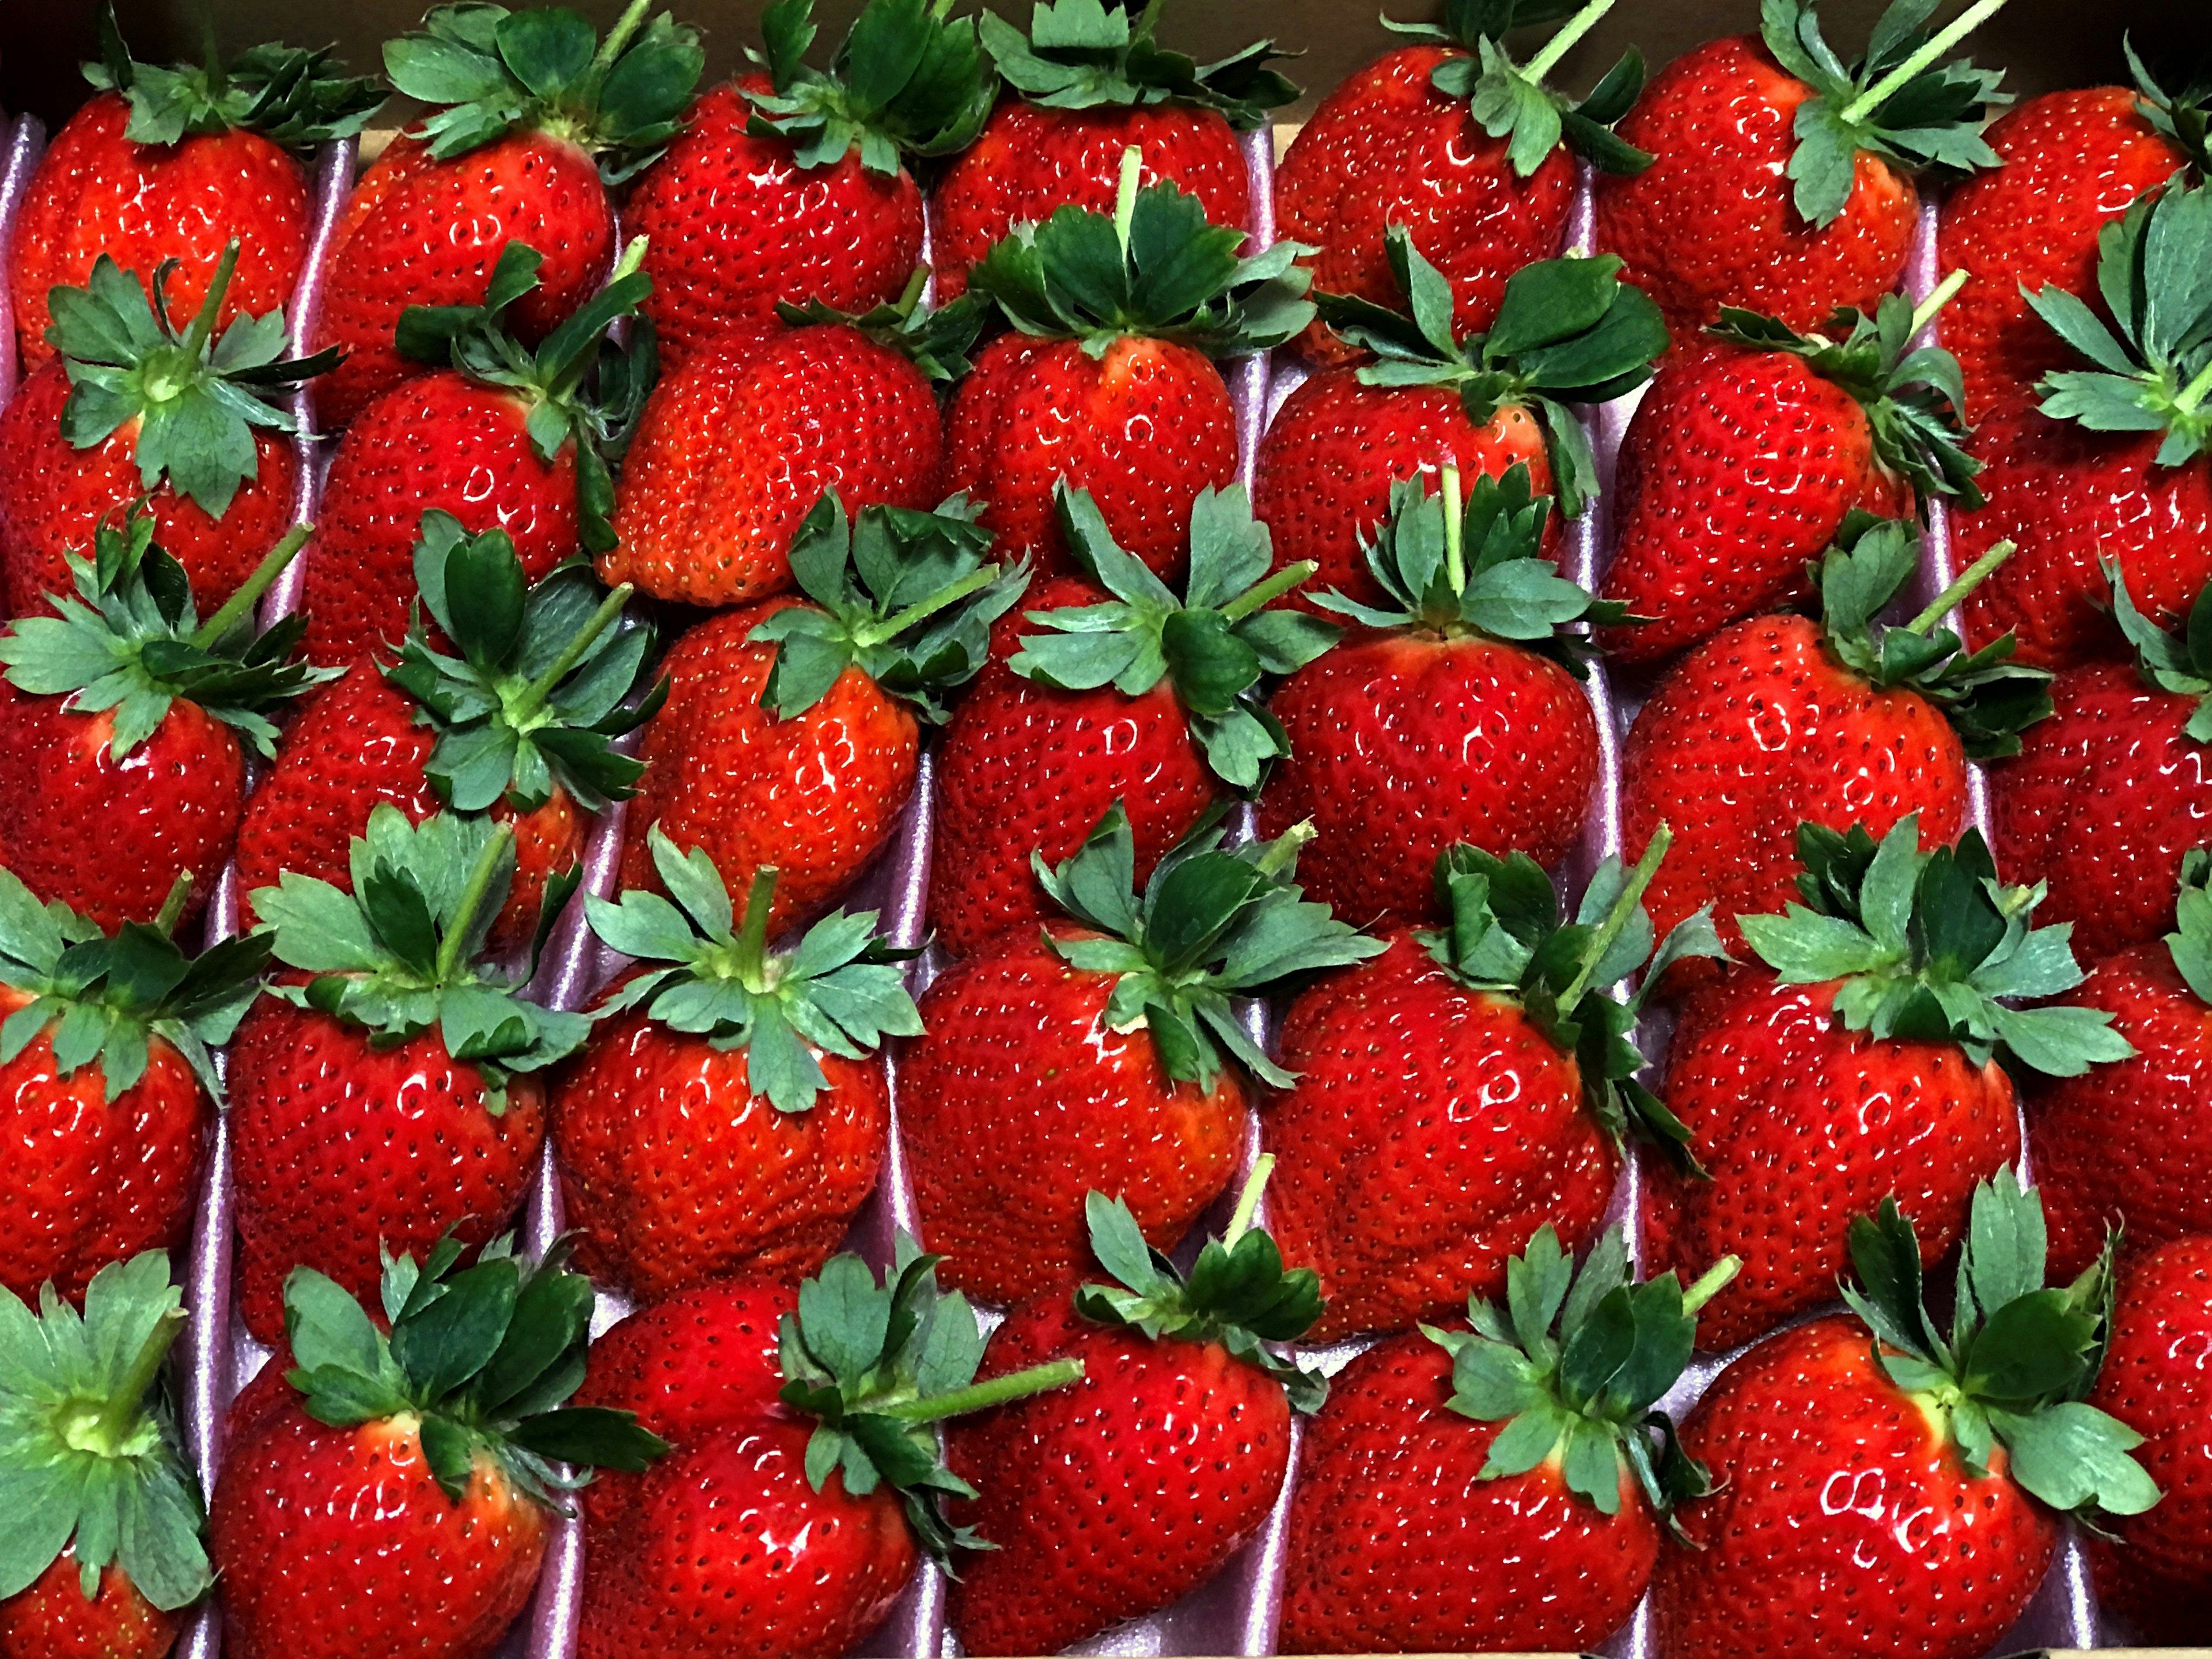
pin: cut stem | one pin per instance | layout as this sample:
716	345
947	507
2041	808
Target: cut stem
892	626
1924	313
1454	530
472	900
533	697
982	1396
2193	393
173	907
752	934
1269	590
126	1406
203	325
1967	581
1562	43
1624	907
264	577
1125	195
1944	39
1709	1283
1247	1201
1283	852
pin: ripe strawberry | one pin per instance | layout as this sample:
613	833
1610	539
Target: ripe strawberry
121	721
1502	1486
137	412
1090	82
1783	183
421	1464
729	1114
88	1442
1466	1088
1088	1056
1395	144
383	1095
804	1481
1453	715
1860	1064
1111	1498
1108	382
1739	469
1783	721
106	1083
793	184
173	163
1138	698
1895	1496
532	127
791	736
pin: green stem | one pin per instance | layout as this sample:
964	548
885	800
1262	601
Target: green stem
126	1406
1968	581
1454	530
534	695
1268	591
1560	44
890	627
633	259
1924	313
173	907
982	1396
618	37
265	573
1125	196
752	935
1946	38
196	336
1709	1283
1624	907
1247	1201
2193	393
910	295
472	898
1283	852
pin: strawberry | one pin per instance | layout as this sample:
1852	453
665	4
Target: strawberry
1568	331
792	184
1140	698
1502	1487
1783	721
729	1114
1739	469
105	1553
173	163
1466	1088
416	1472
2111	467
791	737
518	723
124	726
1089	1054
1109	381
1452	715
1895	1495
136	412
1859	1064
1113	1498
1091	80
504	439
532	126
1395	144
385	1095
1783	183
107	1081
805	1481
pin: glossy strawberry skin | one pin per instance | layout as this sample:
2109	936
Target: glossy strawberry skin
2073	160
1758	731
52	1619
53	495
1397	1544
1387	147
1431	1131
1142	429
1712	222
341	1147
1020	1101
1804	1125
1116	1496
1405	744
1844	1525
737	445
734	225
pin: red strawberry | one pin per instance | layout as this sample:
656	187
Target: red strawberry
1465	1490
1783	183
1893	1496
1110	1499
530	121
413	1472
1452	716
1091	82
1860	1064
1088	1055
386	1093
1464	1089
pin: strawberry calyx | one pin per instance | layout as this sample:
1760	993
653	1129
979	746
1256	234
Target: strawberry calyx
877	1363
1568	331
293	97
2180	663
403	952
904	597
483	1358
1928	946
2189	944
1211	646
130	640
1083	54
89	1452
494	71
2020	1357
1574	1366
906	81
547	678
934	340
841	989
1213	922
2180	117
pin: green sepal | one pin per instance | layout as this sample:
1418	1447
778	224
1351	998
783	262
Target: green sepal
1083	54
2191	941
2178	117
1508	102
294	98
2180	662
936	341
906	81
